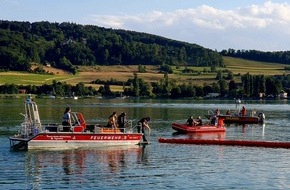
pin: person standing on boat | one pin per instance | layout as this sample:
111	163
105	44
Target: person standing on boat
113	120
214	119
66	119
142	124
122	121
243	111
190	121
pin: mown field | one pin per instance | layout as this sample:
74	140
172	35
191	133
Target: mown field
86	75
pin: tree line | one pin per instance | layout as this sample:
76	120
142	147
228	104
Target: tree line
282	57
67	45
250	87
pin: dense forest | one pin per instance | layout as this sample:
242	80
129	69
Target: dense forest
255	55
67	45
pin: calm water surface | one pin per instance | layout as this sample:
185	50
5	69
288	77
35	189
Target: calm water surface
156	166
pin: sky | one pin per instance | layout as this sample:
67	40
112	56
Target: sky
214	24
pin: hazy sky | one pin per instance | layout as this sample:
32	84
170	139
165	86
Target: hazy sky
214	24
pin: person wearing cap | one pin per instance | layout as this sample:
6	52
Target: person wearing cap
122	121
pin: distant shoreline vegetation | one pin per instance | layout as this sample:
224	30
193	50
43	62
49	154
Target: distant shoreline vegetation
251	86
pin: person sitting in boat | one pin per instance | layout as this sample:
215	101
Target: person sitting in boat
228	112
190	121
122	121
198	122
142	124
220	122
66	119
243	111
112	123
217	112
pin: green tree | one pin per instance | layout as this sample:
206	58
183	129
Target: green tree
176	92
219	75
215	88
247	83
223	87
80	89
230	75
136	87
141	69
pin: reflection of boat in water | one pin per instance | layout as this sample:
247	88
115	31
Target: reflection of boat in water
184	128
34	135
107	161
204	136
266	144
237	117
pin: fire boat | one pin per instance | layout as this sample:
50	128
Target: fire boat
34	135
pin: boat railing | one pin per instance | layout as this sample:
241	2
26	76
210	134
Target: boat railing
28	129
25	130
210	112
128	127
138	128
253	113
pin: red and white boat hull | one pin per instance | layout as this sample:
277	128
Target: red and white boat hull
77	140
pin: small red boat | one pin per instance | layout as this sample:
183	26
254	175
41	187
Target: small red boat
266	144
34	135
239	119
238	116
184	128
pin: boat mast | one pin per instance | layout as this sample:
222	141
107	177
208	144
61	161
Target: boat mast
238	107
32	115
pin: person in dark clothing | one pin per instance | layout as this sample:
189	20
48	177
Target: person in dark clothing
217	112
190	121
66	119
142	124
122	121
198	122
228	112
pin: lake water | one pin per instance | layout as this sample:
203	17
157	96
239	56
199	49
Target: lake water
155	166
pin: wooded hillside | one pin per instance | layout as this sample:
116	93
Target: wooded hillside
66	45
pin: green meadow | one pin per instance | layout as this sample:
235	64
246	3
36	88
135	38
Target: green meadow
200	75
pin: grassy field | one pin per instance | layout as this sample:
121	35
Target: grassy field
123	73
243	66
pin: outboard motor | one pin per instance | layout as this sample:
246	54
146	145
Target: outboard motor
261	117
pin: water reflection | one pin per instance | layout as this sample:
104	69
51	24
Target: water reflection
143	155
150	167
202	136
67	164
